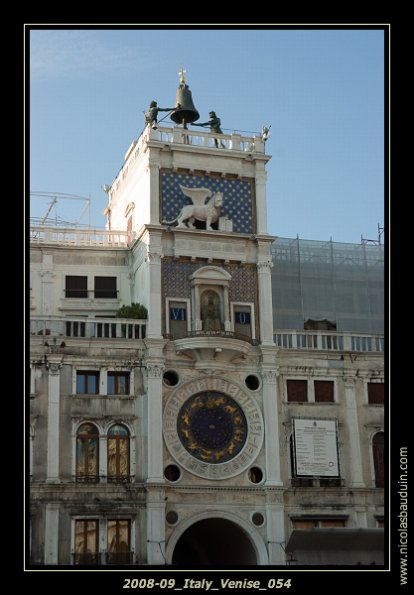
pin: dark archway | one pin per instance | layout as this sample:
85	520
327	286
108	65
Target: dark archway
214	542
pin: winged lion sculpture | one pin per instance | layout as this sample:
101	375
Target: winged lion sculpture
200	210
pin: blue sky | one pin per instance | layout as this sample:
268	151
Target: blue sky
321	91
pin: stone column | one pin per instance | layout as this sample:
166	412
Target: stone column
47	292
53	412
51	533
261	214
361	520
265	302
276	533
271	422
198	324
227	315
156	526
154	305
103	457
154	198
355	456
155	458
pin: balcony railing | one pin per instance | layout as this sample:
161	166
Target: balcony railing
81	237
103	478
201	333
103	558
88	328
86	559
113	558
328	341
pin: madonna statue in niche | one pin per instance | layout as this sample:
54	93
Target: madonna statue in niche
210	312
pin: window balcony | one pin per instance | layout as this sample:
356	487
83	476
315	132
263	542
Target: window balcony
88	328
221	346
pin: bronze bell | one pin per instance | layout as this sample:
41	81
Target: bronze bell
185	111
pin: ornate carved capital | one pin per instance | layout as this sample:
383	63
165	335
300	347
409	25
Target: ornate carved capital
269	376
155	370
349	381
46	275
153	257
54	367
265	266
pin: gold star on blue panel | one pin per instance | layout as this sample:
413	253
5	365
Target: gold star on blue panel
237	198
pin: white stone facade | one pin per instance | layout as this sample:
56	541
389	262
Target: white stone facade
96	374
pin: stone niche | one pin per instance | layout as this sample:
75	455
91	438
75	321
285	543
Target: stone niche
210	299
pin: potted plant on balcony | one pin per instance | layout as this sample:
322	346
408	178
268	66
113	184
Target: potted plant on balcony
133	310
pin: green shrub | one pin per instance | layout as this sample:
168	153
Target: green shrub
133	311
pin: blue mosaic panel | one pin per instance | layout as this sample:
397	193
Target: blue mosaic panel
176	282
238	202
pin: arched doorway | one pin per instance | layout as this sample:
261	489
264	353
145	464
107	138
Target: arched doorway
214	542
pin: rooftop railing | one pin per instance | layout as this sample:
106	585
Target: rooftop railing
247	145
80	237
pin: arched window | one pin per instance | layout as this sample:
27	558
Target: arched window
87	453
118	453
378	455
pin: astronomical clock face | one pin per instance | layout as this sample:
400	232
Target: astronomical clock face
213	428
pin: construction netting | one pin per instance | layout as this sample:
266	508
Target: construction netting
341	284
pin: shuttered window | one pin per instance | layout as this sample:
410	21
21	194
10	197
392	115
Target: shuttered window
376	393
297	391
105	287
76	286
324	391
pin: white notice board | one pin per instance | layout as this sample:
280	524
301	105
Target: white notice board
316	450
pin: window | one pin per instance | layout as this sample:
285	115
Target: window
119	542
376	393
243	320
378	454
87	453
304	524
177	319
327	523
297	391
87	382
118	383
324	324
118	454
86	542
324	391
105	287
76	286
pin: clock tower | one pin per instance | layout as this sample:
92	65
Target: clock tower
194	205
